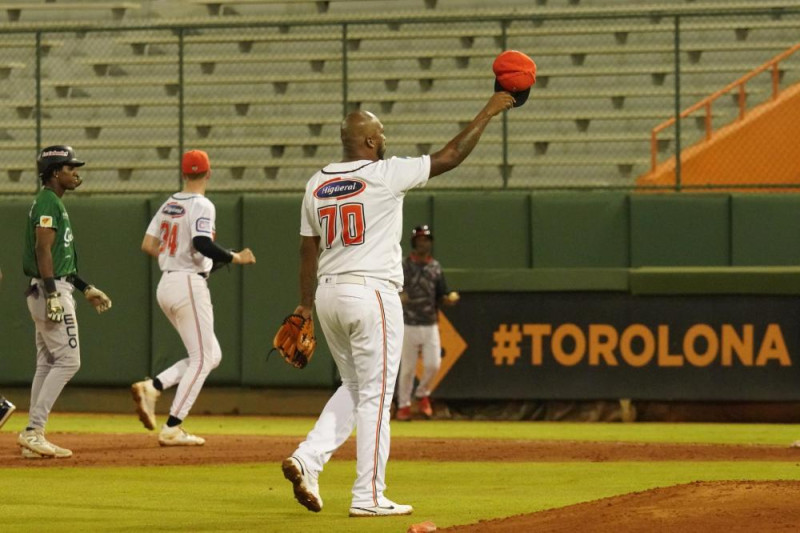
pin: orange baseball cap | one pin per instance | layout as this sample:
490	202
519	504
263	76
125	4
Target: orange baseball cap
195	162
514	72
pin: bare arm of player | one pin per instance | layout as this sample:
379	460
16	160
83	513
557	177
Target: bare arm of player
45	237
244	257
457	150
150	245
309	257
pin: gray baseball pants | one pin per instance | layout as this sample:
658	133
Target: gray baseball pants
58	354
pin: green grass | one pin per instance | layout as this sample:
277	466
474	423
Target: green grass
257	498
774	434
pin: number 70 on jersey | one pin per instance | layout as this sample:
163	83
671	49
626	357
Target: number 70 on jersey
348	217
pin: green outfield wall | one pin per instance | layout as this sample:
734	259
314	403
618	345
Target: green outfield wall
488	241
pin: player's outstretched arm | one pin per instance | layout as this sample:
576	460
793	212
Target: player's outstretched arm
457	150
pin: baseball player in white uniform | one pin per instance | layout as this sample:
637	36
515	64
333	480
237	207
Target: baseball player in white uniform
181	236
351	226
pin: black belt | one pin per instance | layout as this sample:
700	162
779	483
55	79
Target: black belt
68	278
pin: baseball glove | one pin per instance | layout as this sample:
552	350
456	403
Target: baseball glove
295	340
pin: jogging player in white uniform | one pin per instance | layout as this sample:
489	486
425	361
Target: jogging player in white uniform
351	226
181	236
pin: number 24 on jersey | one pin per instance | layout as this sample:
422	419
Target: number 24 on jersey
169	238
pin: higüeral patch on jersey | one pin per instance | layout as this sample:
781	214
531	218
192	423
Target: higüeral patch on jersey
340	188
174	210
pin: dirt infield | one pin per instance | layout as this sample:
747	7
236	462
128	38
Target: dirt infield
730	506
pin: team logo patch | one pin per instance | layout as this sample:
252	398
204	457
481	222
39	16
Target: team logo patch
174	210
340	188
203	225
45	222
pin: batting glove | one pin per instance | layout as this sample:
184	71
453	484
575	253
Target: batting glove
55	311
97	298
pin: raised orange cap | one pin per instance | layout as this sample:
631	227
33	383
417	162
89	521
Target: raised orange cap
514	72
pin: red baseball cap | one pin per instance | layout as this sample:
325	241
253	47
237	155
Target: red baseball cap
514	72
195	162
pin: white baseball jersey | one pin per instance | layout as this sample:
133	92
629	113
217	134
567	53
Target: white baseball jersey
356	210
181	218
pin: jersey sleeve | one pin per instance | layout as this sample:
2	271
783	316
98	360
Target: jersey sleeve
46	214
202	219
308	223
404	173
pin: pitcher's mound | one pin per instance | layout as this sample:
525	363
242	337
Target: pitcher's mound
728	506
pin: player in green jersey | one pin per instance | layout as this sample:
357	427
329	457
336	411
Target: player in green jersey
50	260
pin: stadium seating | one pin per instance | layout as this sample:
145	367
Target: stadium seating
268	100
52	11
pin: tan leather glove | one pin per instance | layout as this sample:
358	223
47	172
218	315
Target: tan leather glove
97	298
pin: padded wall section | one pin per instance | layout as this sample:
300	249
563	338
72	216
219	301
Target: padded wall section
108	233
18	352
271	227
680	230
482	230
580	230
226	292
765	229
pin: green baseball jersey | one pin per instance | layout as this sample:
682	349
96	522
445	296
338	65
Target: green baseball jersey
48	211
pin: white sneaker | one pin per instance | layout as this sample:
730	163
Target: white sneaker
6	408
145	396
306	485
176	436
386	508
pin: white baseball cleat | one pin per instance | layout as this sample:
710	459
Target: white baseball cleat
306	485
30	454
33	440
795	444
6	408
61	453
386	508
145	396
177	436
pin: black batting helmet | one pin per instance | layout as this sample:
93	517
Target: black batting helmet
421	231
55	157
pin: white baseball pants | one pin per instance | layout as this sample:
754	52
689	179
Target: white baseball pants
363	324
185	299
418	341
